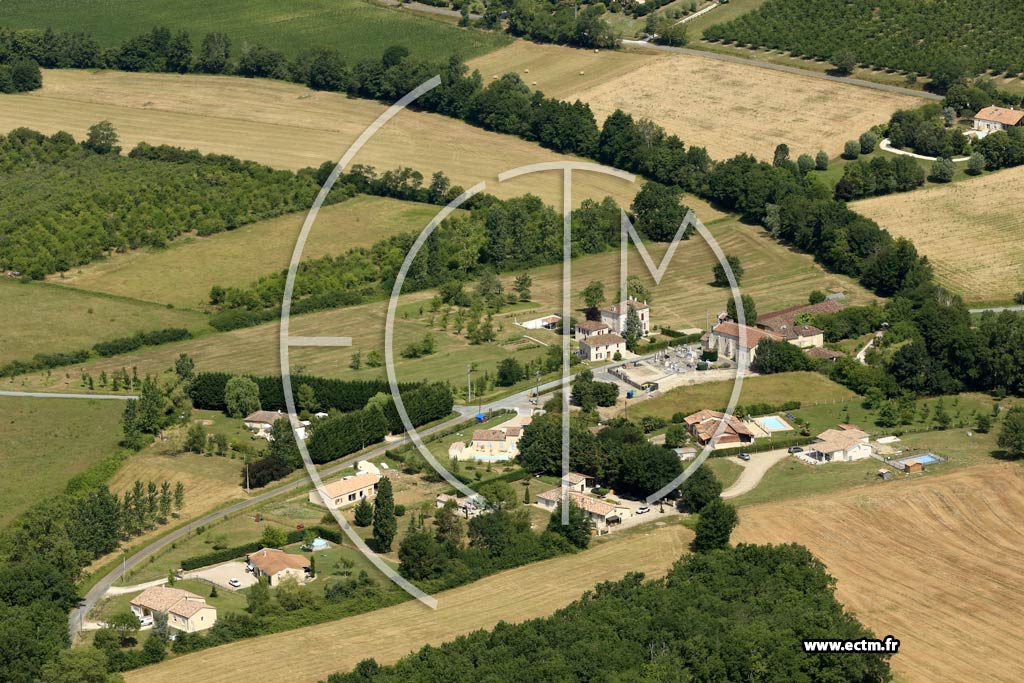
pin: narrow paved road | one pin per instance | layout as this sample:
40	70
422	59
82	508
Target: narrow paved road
517	400
998	309
785	69
77	616
753	471
886	146
47	394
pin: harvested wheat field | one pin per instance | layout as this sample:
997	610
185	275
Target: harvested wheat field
286	126
934	562
558	71
733	108
972	231
516	595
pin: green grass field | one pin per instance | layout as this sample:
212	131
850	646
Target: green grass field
357	29
807	387
183	273
45	442
43	318
962	410
726	471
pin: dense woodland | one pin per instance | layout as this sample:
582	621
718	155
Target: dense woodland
108	201
715	618
945	39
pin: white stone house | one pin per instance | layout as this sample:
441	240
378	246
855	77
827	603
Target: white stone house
614	316
186	611
845	444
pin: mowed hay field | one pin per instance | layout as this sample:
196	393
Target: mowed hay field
183	273
972	231
44	442
559	71
734	108
774	275
288	126
386	635
356	29
43	318
935	562
810	387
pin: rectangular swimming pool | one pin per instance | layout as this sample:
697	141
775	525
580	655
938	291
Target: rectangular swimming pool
774	423
925	459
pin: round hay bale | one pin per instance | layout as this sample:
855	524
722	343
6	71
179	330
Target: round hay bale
526	71
581	73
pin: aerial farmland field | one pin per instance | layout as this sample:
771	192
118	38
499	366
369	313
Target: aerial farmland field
358	30
287	126
972	231
931	561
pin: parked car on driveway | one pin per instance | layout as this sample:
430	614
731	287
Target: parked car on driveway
744	456
643	510
234	583
795	449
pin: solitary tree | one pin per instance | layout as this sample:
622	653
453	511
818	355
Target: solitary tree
717	520
721	277
805	163
821	161
700	489
522	286
593	296
385	526
241	396
1011	438
781	156
976	164
184	367
179	496
195	441
102	138
634	330
851	150
749	309
363	515
942	171
867	141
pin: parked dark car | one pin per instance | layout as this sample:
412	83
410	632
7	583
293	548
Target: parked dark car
744	456
795	449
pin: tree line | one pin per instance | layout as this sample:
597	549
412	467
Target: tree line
495	236
708	620
945	39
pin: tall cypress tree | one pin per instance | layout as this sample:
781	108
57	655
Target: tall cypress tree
385	526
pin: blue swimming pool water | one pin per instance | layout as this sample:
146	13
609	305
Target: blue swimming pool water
926	459
773	423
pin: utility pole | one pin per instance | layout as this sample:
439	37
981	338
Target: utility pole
247	477
537	390
469	384
124	568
